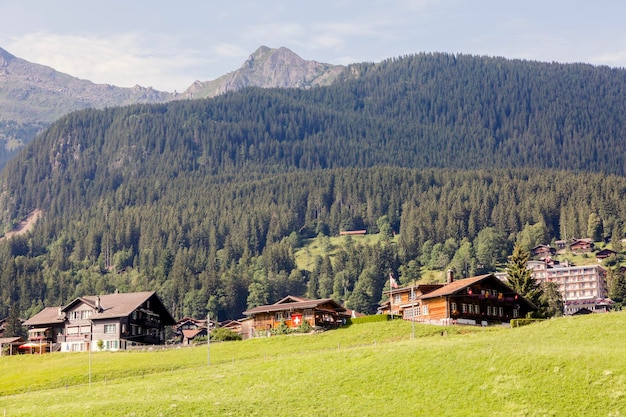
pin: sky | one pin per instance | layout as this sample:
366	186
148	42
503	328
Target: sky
168	45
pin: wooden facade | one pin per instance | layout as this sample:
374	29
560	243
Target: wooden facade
481	300
293	311
106	322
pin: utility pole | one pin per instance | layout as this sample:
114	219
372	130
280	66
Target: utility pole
208	339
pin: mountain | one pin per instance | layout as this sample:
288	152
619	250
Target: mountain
268	68
32	96
206	200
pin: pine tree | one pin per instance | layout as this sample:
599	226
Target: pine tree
520	277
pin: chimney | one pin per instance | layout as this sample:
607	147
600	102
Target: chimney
98	306
449	276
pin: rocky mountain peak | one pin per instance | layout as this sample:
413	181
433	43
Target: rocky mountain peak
269	68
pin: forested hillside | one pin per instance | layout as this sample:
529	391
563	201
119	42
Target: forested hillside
205	201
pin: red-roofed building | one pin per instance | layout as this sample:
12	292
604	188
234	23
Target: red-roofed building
108	322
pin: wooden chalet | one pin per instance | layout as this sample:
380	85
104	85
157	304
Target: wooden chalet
481	300
543	251
400	299
604	254
582	245
108	322
187	329
293	311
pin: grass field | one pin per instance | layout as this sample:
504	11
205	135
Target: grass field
573	366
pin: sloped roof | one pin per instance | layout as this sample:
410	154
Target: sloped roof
112	306
191	333
461	284
48	315
455	286
282	305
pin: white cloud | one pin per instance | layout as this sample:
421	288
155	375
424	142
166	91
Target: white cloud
123	60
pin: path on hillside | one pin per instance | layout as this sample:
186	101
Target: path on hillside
24	226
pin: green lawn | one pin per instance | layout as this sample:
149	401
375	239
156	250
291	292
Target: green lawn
562	367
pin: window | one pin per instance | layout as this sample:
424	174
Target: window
85	314
489	310
476	309
71	331
278	316
500	311
109	328
425	310
308	313
397	298
470	308
463	308
111	344
453	306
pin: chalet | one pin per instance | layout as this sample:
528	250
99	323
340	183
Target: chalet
604	254
543	252
108	322
582	246
480	300
401	299
293	311
187	329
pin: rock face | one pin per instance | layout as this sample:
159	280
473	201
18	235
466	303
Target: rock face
268	68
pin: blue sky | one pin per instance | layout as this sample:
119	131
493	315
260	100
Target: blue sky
170	44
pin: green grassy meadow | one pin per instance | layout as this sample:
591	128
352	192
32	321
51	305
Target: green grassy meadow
573	366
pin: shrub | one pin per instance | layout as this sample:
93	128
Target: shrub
369	319
223	335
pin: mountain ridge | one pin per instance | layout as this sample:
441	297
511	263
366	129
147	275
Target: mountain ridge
33	95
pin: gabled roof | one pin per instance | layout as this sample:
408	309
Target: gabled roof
191	333
284	305
111	306
49	315
461	284
456	286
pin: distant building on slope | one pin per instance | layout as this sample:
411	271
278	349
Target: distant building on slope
582	286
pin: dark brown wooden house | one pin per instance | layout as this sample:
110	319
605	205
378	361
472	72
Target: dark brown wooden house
480	300
582	245
293	311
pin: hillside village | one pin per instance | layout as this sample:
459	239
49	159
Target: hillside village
121	321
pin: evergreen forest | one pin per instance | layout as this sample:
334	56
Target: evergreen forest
206	201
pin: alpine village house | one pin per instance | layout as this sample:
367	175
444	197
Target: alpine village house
108	322
481	300
293	311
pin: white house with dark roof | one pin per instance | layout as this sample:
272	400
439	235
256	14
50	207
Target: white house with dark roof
108	322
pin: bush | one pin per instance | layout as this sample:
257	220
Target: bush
223	335
369	319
